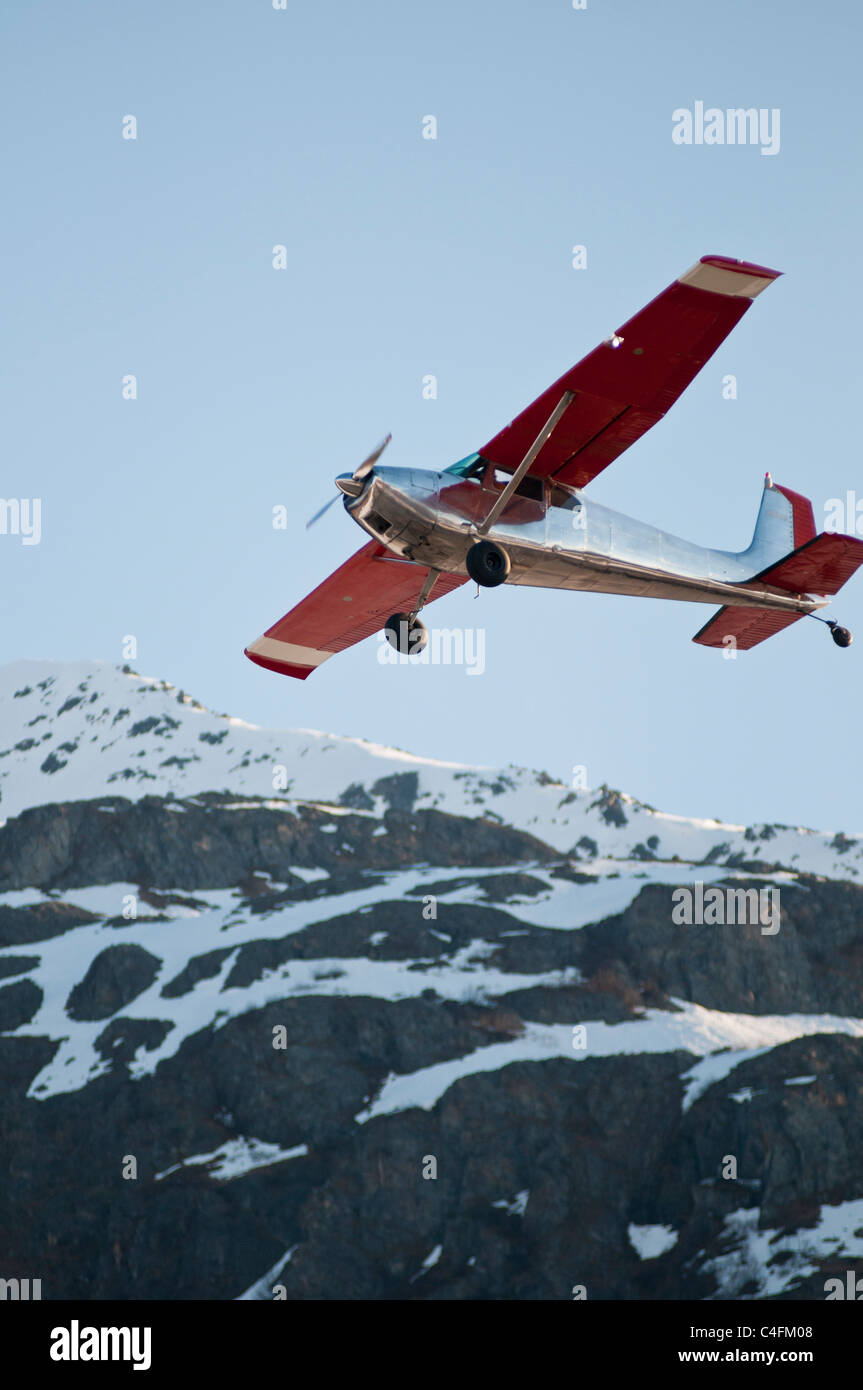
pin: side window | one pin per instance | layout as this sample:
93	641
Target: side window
562	497
496	479
534	488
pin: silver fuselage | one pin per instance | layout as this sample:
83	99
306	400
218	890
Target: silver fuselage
433	519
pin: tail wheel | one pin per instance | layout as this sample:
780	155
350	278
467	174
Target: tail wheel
407	637
841	636
487	564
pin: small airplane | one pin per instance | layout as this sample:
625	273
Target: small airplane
515	511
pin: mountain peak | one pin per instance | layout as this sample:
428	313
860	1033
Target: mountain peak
78	730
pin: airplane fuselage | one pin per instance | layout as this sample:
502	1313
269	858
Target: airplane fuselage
570	542
515	510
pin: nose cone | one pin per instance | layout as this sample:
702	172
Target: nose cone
349	485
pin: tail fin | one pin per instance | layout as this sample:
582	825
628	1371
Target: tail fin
785	522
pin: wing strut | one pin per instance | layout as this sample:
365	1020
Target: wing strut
529	458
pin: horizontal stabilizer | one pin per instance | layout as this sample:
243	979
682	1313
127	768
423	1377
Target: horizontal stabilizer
746	626
821	566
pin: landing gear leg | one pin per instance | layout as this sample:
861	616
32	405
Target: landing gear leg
423	596
404	631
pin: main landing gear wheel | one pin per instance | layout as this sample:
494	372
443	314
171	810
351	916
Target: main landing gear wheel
407	637
487	564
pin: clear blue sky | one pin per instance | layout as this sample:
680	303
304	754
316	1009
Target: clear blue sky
409	256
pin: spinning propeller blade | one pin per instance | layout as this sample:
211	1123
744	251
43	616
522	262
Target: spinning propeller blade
368	463
357	476
325	508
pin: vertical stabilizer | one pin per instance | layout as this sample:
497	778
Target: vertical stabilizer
785	522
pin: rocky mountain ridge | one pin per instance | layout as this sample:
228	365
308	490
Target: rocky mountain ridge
76	730
402	1030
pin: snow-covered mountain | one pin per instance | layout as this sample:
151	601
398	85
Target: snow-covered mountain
77	730
364	1025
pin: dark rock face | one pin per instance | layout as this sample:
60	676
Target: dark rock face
191	845
123	1037
18	1004
17	965
198	968
116	977
796	1146
400	790
19	926
610	807
574	1131
517	1177
813	963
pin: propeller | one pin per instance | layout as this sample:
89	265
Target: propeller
368	463
353	485
325	508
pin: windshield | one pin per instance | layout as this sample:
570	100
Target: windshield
463	467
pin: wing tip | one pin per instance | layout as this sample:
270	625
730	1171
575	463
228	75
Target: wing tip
727	276
741	267
281	668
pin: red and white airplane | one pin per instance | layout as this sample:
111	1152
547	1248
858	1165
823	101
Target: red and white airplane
515	511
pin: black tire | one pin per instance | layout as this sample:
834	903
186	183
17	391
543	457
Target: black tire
841	636
408	639
487	564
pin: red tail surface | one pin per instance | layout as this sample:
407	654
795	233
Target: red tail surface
820	566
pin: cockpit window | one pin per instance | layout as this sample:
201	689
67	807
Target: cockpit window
532	488
476	467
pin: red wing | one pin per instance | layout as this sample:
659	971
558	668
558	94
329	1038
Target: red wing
620	391
351	604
